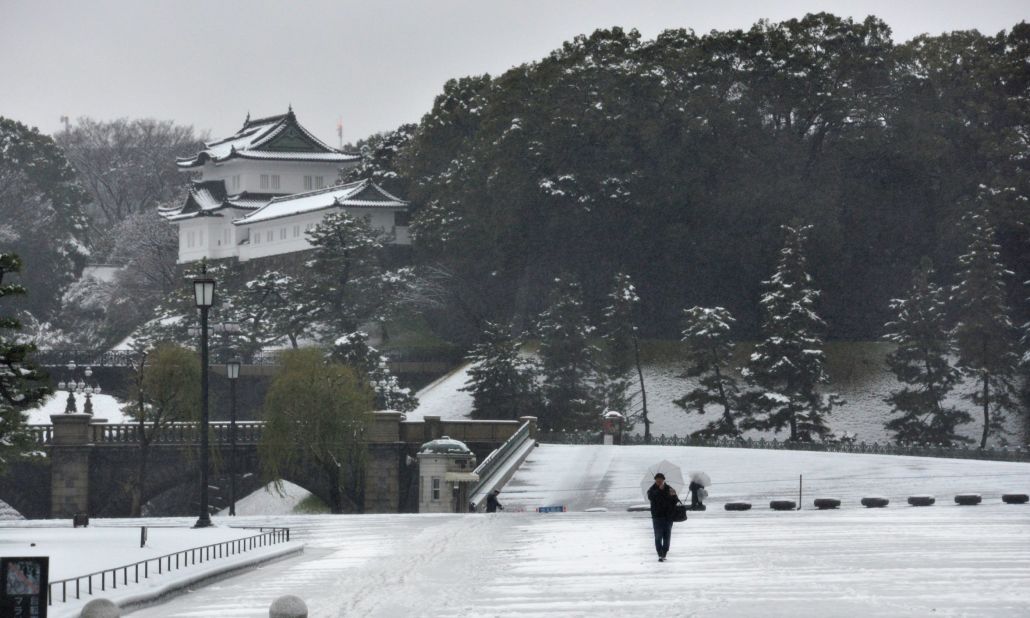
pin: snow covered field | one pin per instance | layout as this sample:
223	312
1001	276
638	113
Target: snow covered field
944	560
104	406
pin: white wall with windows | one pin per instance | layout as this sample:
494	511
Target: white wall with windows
289	234
259	176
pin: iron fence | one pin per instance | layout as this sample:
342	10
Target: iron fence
84	584
1005	453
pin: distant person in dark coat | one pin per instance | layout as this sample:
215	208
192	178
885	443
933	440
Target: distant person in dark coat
663	500
492	505
695	496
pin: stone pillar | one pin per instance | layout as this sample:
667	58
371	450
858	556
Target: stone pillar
383	465
433	428
69	464
532	424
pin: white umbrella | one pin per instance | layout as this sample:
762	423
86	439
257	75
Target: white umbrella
701	478
672	472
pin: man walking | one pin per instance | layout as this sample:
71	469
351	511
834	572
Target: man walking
663	508
491	502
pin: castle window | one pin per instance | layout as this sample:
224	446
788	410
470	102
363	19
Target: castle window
236	182
307	183
264	181
275	181
190	239
436	488
200	238
270	235
282	233
296	231
319	182
257	238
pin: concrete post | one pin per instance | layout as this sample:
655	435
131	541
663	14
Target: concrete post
383	464
288	606
433	428
69	467
532	424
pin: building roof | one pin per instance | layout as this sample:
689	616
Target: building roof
359	194
445	446
273	138
206	198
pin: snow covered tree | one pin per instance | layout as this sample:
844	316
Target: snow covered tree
165	389
501	381
41	216
128	167
621	357
568	362
283	301
316	412
353	350
985	337
921	364
786	367
22	384
706	331
346	266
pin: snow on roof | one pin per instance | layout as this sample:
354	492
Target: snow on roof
360	194
256	141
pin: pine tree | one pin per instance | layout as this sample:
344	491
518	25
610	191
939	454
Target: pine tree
786	367
568	362
920	362
984	334
346	265
501	381
622	353
21	382
706	331
353	350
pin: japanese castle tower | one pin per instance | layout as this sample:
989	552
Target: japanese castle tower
263	188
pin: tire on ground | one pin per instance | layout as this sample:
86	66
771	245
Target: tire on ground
1015	498
738	506
968	499
875	502
921	500
827	503
783	505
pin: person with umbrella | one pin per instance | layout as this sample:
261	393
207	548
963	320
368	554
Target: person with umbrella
663	508
698	482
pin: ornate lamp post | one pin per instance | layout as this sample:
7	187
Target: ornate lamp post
232	370
204	294
80	387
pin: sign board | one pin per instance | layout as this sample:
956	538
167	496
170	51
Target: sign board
23	586
551	509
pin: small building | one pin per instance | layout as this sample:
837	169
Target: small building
262	189
445	476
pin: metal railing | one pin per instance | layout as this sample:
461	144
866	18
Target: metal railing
248	433
1006	453
84	584
495	460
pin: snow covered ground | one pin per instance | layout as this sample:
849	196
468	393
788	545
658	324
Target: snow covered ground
944	560
268	501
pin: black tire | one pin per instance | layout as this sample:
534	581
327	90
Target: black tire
921	500
968	499
875	502
783	505
1015	498
738	506
827	503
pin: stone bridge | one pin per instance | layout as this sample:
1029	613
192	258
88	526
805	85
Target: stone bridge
87	467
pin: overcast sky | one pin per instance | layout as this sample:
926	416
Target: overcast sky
375	63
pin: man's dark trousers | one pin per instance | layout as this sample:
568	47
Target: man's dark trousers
662	534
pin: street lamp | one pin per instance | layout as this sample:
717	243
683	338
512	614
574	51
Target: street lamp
80	387
232	370
204	294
